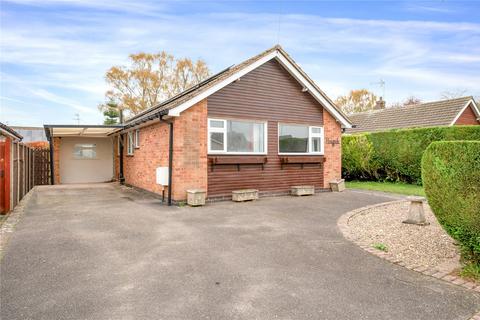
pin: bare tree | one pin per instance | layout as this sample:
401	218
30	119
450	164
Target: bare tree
453	94
412	100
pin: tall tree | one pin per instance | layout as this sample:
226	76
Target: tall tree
152	78
357	101
111	113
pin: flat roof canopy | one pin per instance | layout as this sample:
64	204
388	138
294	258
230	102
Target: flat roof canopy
94	131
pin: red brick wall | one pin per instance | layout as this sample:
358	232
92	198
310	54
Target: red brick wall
333	151
190	150
467	117
139	169
56	160
189	154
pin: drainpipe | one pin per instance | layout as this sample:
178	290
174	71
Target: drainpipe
170	159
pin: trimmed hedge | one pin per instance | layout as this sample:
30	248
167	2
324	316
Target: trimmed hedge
451	178
395	155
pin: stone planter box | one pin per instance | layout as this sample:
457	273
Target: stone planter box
337	185
302	190
196	197
244	195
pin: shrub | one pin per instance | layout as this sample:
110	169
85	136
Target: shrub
395	155
451	178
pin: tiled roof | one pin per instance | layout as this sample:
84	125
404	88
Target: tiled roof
431	114
215	79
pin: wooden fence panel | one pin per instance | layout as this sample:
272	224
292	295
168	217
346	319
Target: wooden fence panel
41	172
14	175
30	167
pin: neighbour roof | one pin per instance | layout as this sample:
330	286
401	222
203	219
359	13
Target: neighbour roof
53	130
4	129
175	105
431	114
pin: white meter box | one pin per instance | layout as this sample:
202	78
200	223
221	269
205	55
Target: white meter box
162	176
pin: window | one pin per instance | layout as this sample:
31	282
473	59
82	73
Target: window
236	137
84	151
137	138
130	143
300	139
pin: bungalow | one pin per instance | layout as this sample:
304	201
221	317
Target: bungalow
460	111
261	124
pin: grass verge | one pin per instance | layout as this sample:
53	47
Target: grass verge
392	187
471	271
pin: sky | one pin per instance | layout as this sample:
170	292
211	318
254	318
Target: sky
54	53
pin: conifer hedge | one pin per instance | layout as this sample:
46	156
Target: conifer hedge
451	178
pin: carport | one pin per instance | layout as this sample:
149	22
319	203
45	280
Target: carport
81	153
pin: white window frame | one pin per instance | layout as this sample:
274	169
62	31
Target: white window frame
81	145
225	138
137	139
310	140
130	143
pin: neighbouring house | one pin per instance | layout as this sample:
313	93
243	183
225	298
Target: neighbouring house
261	124
33	137
460	111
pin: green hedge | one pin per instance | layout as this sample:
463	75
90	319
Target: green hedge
451	178
395	155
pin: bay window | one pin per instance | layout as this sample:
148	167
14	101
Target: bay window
237	136
300	139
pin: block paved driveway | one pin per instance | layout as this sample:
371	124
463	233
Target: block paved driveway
103	252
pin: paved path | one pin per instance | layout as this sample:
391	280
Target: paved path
96	252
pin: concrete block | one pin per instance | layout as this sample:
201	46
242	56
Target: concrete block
302	190
196	197
337	185
244	195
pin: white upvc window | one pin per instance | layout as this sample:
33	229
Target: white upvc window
130	143
137	138
237	137
300	139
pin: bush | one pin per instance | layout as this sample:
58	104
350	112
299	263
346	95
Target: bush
395	155
451	178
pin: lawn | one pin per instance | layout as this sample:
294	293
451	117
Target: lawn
393	187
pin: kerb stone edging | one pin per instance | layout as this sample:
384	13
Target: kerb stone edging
8	227
444	275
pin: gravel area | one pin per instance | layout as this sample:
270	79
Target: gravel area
428	246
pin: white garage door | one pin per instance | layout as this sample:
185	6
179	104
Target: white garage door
84	160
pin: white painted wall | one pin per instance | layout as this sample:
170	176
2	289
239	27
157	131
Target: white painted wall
86	170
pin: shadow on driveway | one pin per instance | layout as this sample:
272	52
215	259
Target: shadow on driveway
106	252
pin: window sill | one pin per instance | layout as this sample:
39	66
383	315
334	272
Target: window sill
237	154
301	154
